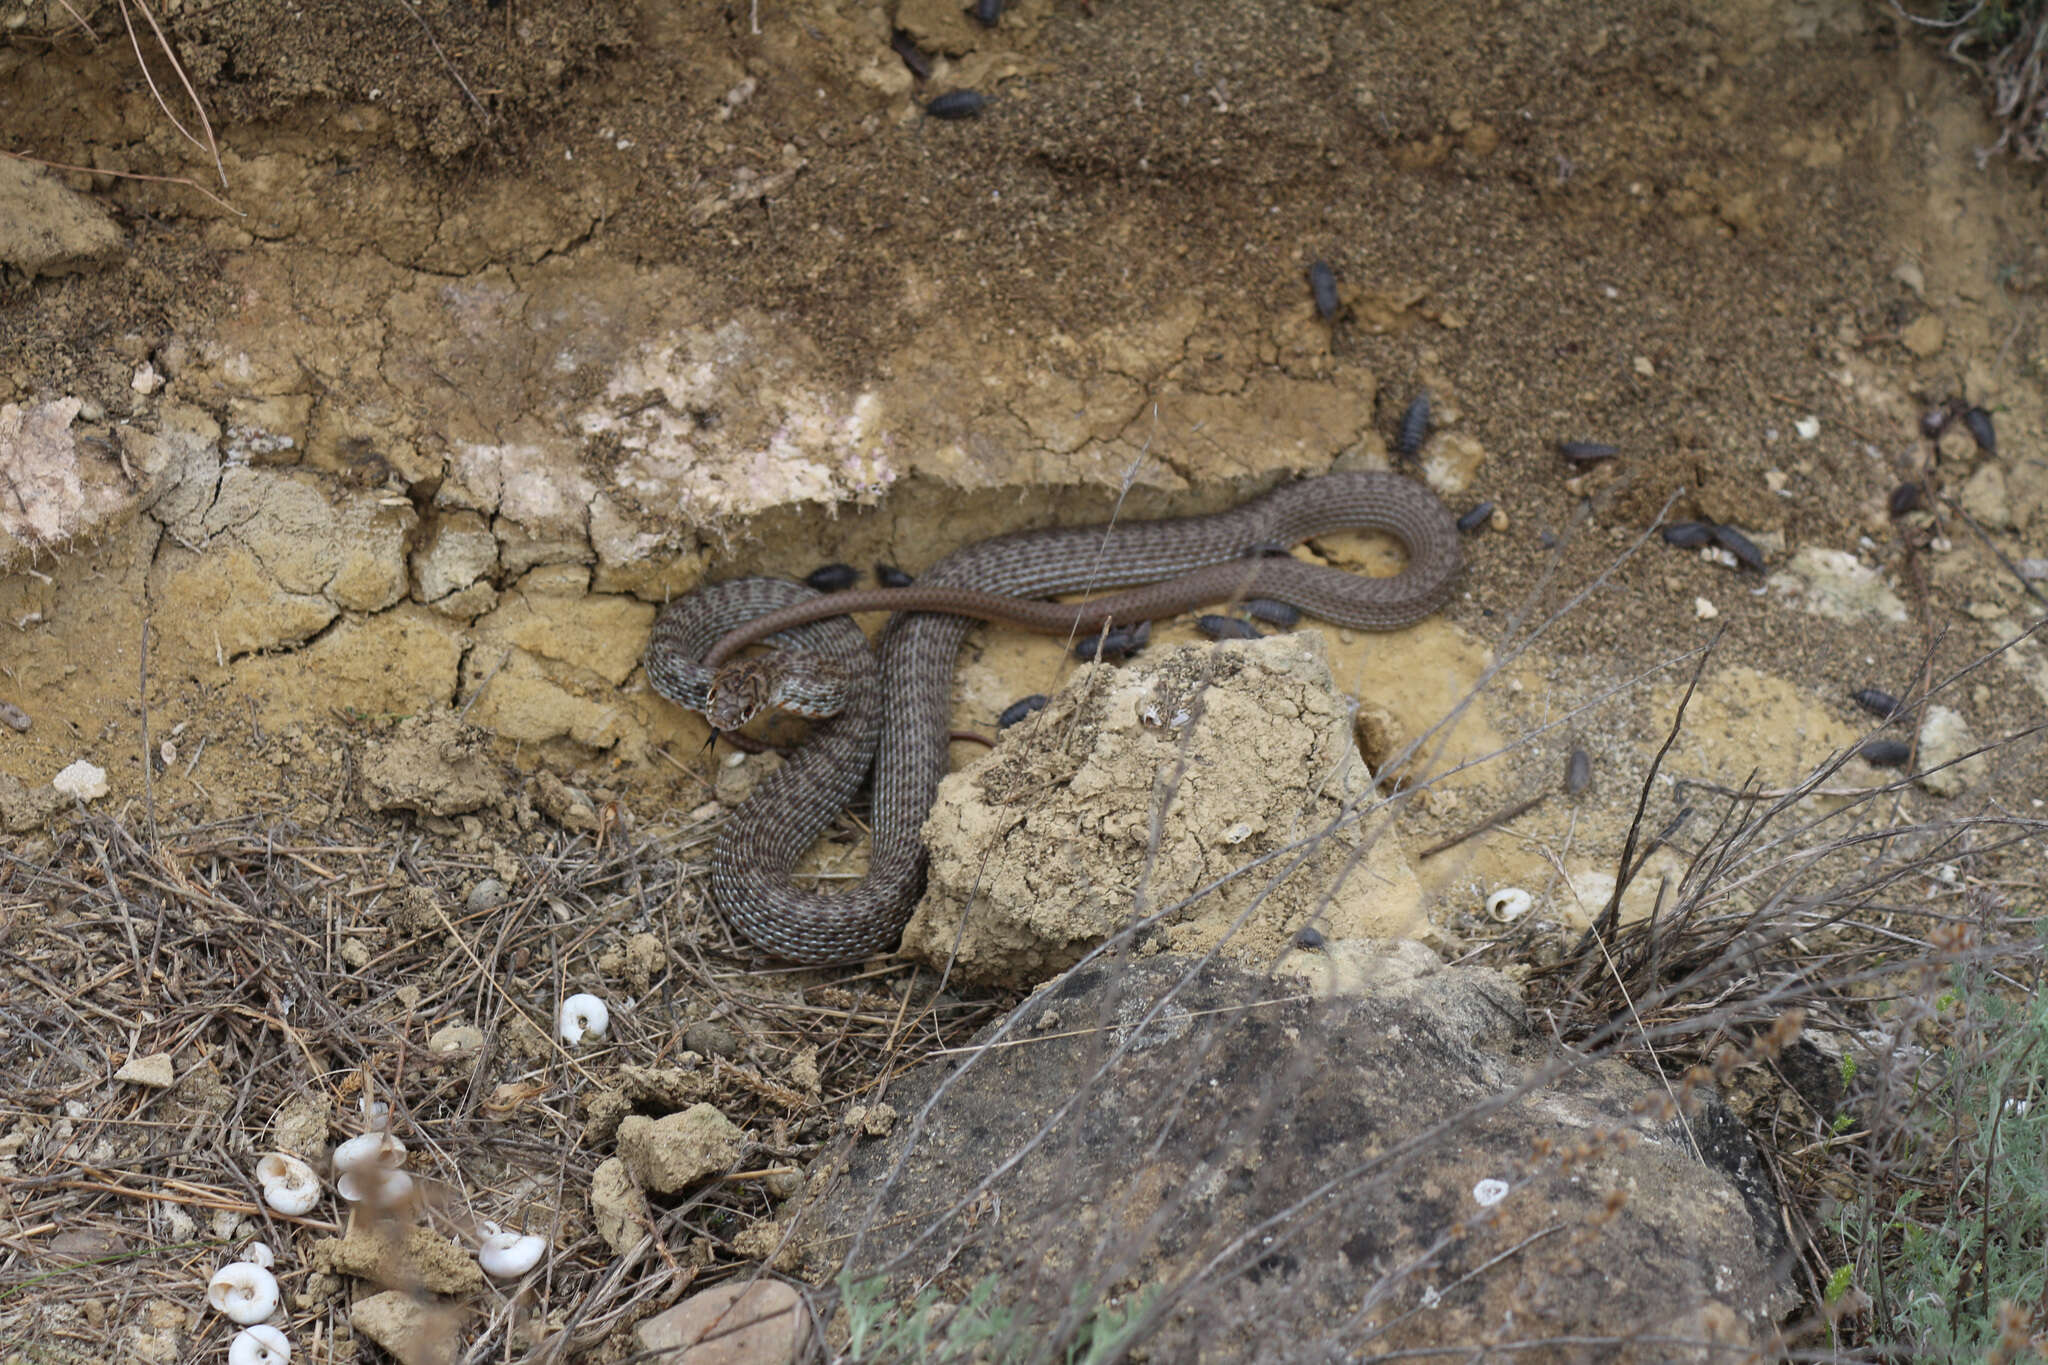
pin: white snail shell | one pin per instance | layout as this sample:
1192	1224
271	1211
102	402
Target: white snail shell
582	1016
259	1345
371	1149
289	1185
245	1293
1508	904
259	1254
375	1184
508	1255
1487	1193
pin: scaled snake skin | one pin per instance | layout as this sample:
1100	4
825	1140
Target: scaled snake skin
900	713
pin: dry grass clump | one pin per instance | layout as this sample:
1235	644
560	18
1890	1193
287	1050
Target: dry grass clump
286	970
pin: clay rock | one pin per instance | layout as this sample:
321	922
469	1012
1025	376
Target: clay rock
1138	787
1309	1178
670	1153
46	229
760	1322
433	764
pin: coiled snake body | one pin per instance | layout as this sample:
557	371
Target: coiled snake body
899	713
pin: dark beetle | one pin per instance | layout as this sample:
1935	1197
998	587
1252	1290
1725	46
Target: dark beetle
957	104
986	12
1021	708
1883	705
1981	430
1282	614
1308	938
1586	452
1414	426
1476	518
1227	628
1904	499
1689	535
1322	282
1578	771
833	577
1935	421
1739	545
1886	753
889	576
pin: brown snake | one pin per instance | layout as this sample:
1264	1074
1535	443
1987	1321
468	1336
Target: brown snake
900	718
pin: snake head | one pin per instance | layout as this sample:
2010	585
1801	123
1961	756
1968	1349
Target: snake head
740	691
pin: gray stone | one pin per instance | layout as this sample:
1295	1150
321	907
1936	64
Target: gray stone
1310	1179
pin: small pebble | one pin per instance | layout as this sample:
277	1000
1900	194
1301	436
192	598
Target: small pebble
1227	628
1274	613
957	104
1021	708
1981	430
1881	704
2033	570
1578	771
1308	938
889	576
1476	518
1322	283
1739	545
1904	499
1689	535
1886	753
1586	452
833	577
13	717
711	1040
1414	428
487	894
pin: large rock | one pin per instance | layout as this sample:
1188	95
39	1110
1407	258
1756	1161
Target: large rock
1230	766
1303	1178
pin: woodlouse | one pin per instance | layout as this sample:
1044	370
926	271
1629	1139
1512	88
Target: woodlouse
1308	938
1414	428
1021	708
1322	282
1741	546
1227	628
1282	614
1476	518
1587	452
1877	702
957	104
1935	421
1115	645
1689	535
833	577
987	12
1981	430
1904	499
1886	753
914	60
889	576
1578	771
